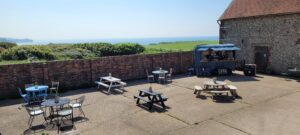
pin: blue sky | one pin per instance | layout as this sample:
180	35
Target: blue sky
96	19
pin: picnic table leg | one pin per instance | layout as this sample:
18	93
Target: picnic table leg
195	92
149	97
138	100
199	93
109	88
99	81
151	103
161	101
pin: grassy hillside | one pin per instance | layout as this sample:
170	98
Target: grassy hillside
175	46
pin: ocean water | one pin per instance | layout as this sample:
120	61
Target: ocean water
142	41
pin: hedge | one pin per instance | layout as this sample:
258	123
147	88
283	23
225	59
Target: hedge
70	51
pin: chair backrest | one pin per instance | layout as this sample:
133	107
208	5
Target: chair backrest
55	84
147	72
81	99
171	71
29	85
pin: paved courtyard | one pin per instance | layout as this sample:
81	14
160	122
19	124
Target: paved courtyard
269	106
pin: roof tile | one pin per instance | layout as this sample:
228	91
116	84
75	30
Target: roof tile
250	8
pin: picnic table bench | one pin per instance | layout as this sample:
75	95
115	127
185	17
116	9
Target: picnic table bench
151	97
110	82
217	88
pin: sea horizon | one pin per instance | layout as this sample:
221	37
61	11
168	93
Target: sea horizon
142	41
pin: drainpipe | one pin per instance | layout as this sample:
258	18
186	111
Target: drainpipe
219	22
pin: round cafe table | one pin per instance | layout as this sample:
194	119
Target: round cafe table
157	72
52	105
160	71
51	102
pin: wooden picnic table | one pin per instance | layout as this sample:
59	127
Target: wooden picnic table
218	88
151	97
110	82
218	85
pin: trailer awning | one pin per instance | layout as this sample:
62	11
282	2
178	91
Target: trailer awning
224	47
202	49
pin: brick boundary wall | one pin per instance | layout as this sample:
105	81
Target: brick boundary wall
75	74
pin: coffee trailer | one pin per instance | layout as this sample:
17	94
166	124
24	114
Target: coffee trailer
217	59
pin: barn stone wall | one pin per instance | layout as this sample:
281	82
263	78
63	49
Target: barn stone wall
279	32
74	74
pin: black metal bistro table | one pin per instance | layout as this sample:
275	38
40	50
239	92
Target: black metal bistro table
151	97
53	105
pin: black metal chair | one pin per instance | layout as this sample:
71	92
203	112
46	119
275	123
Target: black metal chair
54	88
24	96
65	111
169	75
33	111
77	104
150	76
162	78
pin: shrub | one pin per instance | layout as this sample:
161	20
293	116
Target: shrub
75	53
67	51
7	45
1	49
107	49
95	48
24	52
129	48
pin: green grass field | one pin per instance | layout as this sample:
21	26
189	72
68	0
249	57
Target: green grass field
175	46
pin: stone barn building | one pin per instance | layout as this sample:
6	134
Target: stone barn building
267	31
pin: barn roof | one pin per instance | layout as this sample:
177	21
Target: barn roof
250	8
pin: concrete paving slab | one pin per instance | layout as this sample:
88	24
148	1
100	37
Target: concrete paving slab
154	123
186	107
114	127
269	106
110	108
207	128
141	122
280	116
261	88
189	81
